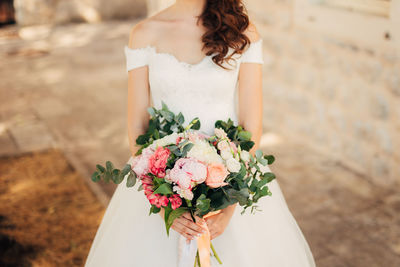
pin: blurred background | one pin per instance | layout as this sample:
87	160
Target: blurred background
331	118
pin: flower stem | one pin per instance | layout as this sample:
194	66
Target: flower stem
197	259
215	253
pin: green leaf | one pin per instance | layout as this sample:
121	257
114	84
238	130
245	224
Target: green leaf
109	166
131	181
270	159
100	168
186	149
95	177
164	189
180	119
151	111
258	153
269	176
196	124
174	214
242	195
114	175
140	188
164	106
154	209
203	203
244	135
126	169
142	139
246	145
263	161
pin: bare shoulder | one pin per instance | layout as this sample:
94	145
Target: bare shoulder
252	32
141	34
146	31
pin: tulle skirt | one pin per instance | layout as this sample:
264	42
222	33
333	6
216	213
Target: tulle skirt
128	236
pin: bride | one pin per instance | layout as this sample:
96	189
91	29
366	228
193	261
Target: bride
202	58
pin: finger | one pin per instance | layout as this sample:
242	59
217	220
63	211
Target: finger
190	224
198	219
189	231
181	230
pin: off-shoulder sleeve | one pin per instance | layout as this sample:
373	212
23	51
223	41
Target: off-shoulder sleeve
136	57
254	53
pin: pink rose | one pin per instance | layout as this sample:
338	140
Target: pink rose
176	201
158	161
216	175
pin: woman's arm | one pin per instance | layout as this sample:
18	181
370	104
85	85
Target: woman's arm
138	92
250	117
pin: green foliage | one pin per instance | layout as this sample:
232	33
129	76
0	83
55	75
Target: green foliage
163	122
164	189
172	215
237	134
109	173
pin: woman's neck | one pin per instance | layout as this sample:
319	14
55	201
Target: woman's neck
189	8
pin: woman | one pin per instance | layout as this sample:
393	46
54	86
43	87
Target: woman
186	64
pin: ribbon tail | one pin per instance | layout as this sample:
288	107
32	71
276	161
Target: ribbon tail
203	243
186	252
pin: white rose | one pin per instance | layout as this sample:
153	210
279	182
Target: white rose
245	155
233	165
203	151
167	140
220	133
226	154
223	145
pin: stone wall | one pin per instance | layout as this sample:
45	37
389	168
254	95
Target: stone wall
337	96
29	12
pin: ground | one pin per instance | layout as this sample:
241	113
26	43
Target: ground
64	87
51	215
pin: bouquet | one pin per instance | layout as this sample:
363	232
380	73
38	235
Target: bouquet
182	169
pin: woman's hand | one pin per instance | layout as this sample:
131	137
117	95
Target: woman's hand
217	223
185	226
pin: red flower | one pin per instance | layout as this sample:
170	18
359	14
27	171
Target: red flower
176	201
158	161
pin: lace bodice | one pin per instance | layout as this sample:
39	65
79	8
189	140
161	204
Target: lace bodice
203	90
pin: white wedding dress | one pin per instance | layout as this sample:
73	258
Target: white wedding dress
128	236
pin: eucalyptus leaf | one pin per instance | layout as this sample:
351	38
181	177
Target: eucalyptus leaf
131	180
151	111
258	153
95	177
244	135
270	159
269	176
100	168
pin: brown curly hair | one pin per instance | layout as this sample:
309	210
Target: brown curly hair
225	21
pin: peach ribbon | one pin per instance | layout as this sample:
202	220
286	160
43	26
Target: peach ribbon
204	243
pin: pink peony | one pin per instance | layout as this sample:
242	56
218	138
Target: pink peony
140	164
216	175
187	170
176	201
158	161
